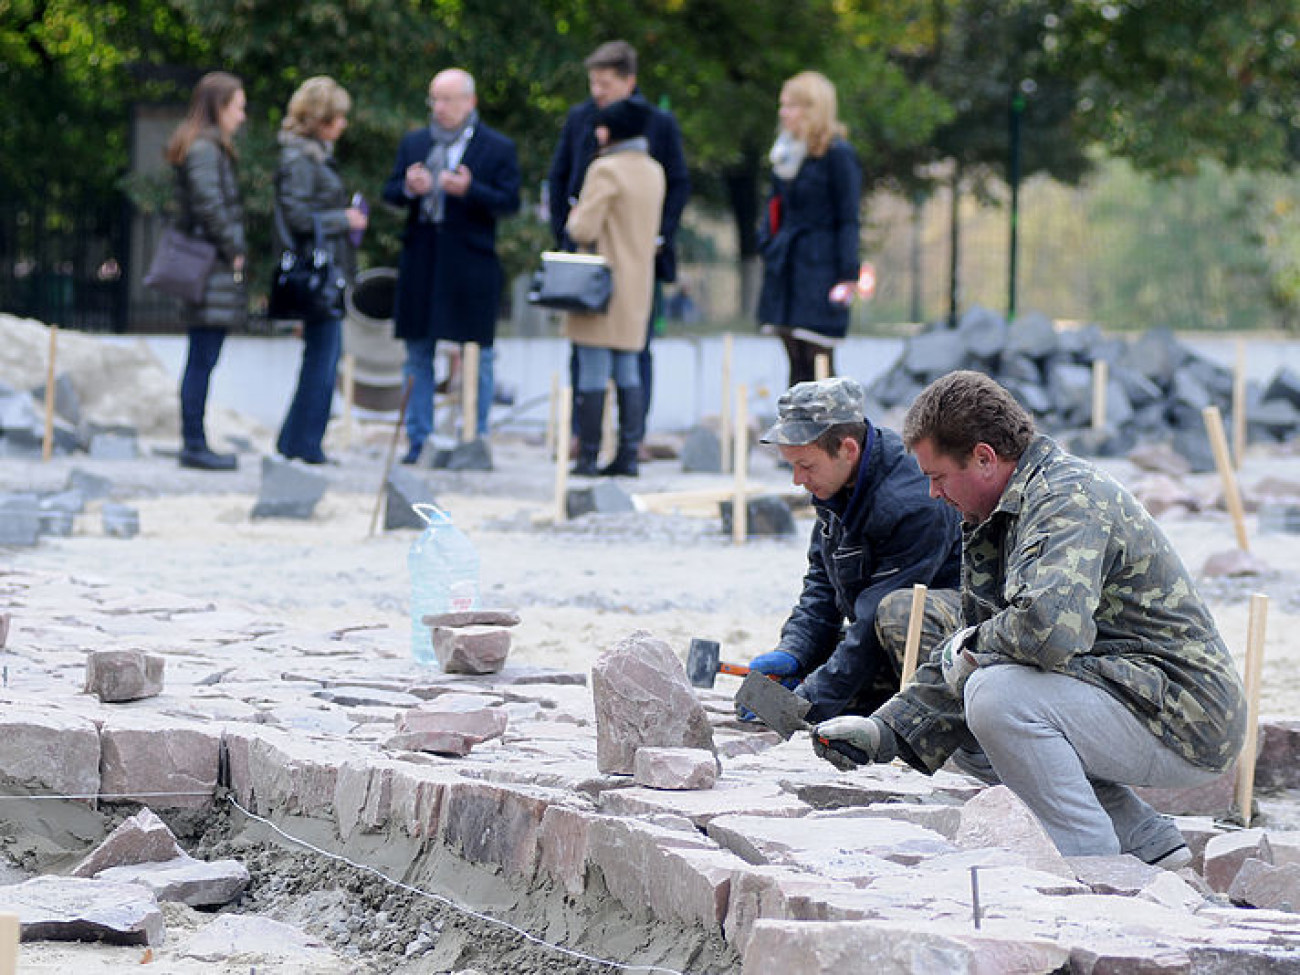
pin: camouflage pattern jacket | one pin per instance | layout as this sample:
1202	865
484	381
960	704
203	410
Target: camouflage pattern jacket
1071	574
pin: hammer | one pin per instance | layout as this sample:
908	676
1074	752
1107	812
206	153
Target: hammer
703	664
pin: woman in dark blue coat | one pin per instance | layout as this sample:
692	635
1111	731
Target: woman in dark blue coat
809	236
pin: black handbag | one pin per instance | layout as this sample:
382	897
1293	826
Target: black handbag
306	285
181	265
572	282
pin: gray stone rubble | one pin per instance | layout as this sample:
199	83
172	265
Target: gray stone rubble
612	791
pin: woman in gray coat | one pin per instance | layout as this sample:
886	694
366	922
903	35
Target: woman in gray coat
209	206
309	193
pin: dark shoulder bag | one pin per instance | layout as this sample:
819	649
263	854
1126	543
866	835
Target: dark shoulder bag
572	282
306	285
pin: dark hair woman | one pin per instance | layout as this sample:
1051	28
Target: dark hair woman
209	206
309	193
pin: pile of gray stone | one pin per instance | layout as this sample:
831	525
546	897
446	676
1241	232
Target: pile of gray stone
1156	391
26	516
22	426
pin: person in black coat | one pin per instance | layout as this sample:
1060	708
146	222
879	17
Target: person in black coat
210	207
309	194
809	235
611	77
455	177
878	532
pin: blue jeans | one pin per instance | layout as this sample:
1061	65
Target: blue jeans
418	370
309	411
596	365
204	348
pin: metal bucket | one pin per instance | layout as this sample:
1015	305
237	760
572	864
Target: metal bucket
368	338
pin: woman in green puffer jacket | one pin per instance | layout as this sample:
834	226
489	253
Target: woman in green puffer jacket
209	206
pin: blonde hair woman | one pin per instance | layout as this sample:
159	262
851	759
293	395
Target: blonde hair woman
809	236
209	205
309	193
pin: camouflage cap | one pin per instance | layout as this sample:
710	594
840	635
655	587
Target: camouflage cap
807	410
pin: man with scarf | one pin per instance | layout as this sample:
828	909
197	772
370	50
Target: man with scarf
455	177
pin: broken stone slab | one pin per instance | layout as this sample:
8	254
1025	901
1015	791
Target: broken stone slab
184	880
75	909
471	649
479	721
701	451
1233	563
1123	874
91	486
1212	798
352	697
764	515
20	519
113	445
245	937
120	520
1224	855
402	491
644	699
675	768
1279	517
49	751
493	824
1122	957
165	763
272	771
67	404
1261	884
604	497
453	743
473	617
998	818
144	838
702	806
115	676
475	455
287	491
1160	494
416	793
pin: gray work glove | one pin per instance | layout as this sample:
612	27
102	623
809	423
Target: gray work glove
850	740
956	661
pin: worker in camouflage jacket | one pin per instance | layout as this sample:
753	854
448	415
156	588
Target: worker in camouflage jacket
1087	662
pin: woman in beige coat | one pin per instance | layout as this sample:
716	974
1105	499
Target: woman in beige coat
617	216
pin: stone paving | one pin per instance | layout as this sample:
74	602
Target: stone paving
775	865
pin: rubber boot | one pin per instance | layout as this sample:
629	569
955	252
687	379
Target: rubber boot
631	430
588	414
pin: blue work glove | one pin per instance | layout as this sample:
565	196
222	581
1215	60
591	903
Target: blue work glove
779	664
956	661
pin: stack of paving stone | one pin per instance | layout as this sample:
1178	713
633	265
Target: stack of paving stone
1156	390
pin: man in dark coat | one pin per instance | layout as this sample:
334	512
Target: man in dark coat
878	531
455	177
611	76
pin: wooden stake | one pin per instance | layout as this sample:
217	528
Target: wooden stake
912	646
822	367
552	408
1100	379
1239	406
349	396
739	508
1254	668
392	452
1219	444
10	934
469	392
724	410
47	443
563	433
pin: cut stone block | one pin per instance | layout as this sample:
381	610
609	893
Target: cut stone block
471	650
1225	854
491	824
998	818
472	456
403	489
75	909
124	675
676	768
163	762
273	943
452	743
120	520
644	700
1260	884
1278	764
198	883
562	842
766	515
275	772
144	838
474	617
287	491
20	519
701	451
113	445
49	751
417	794
602	498
478	722
91	486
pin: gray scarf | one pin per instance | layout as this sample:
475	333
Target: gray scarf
434	203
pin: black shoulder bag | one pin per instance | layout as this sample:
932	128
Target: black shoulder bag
306	284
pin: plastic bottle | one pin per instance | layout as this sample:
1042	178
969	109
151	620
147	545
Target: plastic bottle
444	576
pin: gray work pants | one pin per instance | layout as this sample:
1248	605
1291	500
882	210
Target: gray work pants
1070	751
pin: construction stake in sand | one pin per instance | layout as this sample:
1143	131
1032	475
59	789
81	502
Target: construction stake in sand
1219	444
822	367
912	646
1254	668
469	392
552	406
562	436
1239	406
47	442
1100	379
724	408
739	508
9	935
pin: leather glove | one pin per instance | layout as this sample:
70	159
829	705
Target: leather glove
956	661
779	664
849	741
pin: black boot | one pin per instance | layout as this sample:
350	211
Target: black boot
631	430
588	415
